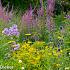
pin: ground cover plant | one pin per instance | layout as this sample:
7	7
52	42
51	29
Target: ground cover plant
37	39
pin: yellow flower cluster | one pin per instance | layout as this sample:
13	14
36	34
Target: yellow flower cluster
33	54
28	53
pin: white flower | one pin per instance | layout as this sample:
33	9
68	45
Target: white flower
20	61
22	68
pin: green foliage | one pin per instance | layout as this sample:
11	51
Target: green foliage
60	5
39	50
21	4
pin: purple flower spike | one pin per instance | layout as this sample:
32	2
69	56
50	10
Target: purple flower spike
4	14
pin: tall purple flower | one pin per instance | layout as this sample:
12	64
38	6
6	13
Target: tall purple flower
50	10
5	15
1	11
27	19
41	2
41	11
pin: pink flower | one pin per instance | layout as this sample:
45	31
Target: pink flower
1	11
5	15
41	11
27	17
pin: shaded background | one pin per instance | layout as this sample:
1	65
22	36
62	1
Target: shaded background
61	5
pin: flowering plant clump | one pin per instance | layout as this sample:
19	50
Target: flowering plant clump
42	41
12	31
32	57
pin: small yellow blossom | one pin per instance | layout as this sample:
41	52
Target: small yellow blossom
28	34
49	54
26	46
33	62
56	54
11	42
46	47
59	37
29	42
38	58
57	65
31	49
61	51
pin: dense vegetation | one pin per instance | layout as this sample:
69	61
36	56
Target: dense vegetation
34	35
61	5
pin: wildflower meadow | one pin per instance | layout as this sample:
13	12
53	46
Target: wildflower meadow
34	35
